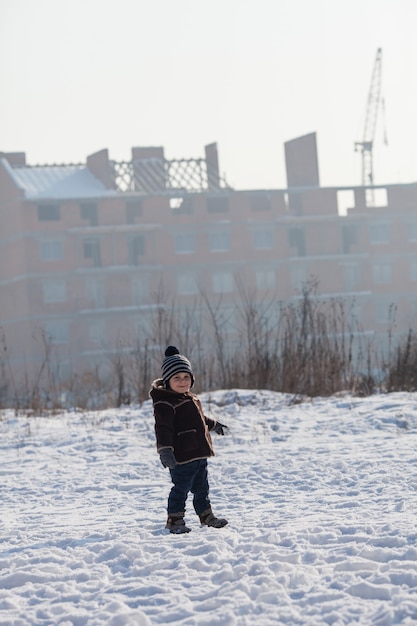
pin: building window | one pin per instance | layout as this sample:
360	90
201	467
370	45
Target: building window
134	209
88	211
384	311
295	202
379	232
296	238
187	283
260	202
57	331
184	243
226	319
97	331
349	237
94	291
54	290
190	322
136	249
413	270
380	197
298	277
351	276
49	212
51	250
345	201
265	279
263	239
356	312
217	205
382	273
412	230
91	250
140	289
144	323
182	206
223	282
219	241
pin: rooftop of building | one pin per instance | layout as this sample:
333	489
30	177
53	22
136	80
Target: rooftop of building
148	172
56	181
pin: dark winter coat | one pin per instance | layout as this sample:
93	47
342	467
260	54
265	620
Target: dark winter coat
180	424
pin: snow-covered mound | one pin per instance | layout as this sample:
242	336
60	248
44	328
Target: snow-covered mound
321	499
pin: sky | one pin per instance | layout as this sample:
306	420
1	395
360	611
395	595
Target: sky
77	76
320	497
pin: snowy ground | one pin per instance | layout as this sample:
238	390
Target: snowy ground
321	499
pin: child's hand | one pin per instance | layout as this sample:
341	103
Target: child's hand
167	458
219	428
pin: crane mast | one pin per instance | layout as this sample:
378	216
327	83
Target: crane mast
366	145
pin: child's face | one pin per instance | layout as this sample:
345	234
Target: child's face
181	382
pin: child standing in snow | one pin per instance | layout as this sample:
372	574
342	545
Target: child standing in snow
183	441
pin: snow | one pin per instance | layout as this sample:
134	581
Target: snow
57	182
320	495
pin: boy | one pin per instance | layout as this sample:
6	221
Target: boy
183	441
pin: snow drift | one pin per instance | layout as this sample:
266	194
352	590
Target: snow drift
320	496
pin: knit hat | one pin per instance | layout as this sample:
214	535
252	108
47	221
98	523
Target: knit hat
173	363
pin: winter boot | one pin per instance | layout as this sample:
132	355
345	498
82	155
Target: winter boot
207	518
176	525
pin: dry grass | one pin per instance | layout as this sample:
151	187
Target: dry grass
307	347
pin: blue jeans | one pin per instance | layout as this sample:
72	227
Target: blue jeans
192	477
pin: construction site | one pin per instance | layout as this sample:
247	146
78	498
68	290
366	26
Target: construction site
91	253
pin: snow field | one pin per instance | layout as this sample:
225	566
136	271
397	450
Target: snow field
320	497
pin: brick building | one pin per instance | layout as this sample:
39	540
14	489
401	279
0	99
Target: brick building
85	249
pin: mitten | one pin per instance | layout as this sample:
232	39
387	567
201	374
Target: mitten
167	458
219	428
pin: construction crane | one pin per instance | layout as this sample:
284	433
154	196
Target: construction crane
366	145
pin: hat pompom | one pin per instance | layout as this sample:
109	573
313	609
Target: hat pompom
171	350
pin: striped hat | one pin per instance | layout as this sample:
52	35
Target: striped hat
173	363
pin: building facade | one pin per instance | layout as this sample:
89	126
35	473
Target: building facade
89	253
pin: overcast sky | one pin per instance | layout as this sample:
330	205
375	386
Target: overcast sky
77	76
